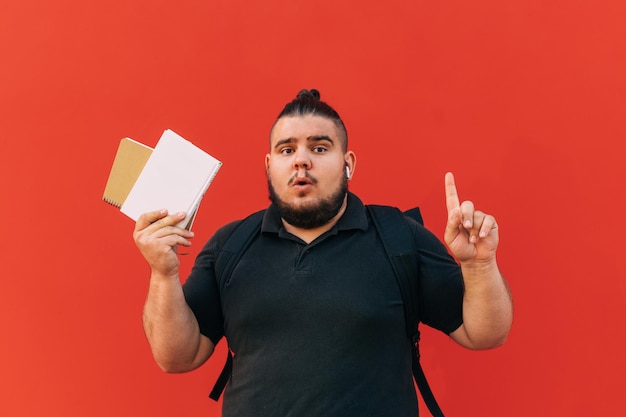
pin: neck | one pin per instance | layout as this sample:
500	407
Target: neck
309	235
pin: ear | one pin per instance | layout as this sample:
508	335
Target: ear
267	162
350	160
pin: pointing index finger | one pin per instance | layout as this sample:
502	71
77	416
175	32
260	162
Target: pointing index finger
452	197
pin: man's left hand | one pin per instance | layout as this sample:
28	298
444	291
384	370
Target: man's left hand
471	235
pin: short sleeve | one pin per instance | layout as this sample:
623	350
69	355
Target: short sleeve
441	282
201	289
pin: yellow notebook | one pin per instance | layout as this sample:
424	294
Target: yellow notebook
174	176
129	161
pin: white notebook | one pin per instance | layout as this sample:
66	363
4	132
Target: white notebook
175	177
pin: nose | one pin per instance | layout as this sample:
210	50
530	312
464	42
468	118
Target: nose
301	160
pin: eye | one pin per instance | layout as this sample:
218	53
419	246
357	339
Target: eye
319	149
286	151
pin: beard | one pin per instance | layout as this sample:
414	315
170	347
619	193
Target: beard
313	214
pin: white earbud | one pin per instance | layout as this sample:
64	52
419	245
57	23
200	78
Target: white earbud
347	173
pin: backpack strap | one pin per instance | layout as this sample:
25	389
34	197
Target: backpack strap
231	252
236	244
397	239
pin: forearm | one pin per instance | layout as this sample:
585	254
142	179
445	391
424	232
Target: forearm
487	306
171	327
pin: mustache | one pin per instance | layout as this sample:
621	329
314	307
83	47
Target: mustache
308	176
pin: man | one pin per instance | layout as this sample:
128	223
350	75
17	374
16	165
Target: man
312	313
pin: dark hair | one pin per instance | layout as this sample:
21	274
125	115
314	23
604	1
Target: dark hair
308	102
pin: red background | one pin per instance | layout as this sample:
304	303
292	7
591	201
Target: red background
523	100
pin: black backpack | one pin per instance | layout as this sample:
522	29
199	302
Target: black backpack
400	249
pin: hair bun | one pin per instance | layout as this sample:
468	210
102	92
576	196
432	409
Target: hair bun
309	94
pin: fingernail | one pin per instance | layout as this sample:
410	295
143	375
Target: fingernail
468	223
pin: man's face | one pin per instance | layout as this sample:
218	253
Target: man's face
306	170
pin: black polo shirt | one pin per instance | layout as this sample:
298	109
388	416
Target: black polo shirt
318	329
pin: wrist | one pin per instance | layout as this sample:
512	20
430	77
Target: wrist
485	266
161	276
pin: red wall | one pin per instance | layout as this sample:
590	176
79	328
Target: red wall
523	100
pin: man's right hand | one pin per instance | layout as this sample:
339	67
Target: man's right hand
157	237
170	325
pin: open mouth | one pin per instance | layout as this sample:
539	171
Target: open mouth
301	181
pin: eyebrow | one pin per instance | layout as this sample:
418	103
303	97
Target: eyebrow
315	138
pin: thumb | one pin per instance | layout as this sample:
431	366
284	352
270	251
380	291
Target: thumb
453	226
